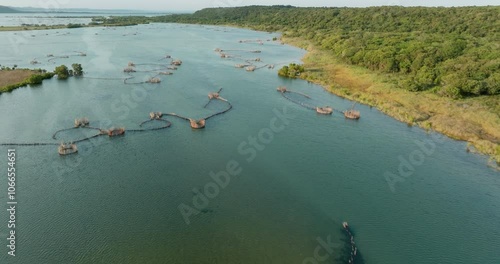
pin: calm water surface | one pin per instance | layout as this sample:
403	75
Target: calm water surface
117	200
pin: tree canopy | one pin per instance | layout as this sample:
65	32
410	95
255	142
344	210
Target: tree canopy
452	51
291	71
62	72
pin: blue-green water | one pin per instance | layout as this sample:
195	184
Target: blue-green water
117	200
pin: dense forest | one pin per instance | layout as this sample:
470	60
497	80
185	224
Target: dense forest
453	52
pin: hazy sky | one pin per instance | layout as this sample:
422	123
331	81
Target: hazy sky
159	5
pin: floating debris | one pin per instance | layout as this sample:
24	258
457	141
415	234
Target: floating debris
283	90
83	123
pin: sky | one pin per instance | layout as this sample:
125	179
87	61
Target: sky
192	5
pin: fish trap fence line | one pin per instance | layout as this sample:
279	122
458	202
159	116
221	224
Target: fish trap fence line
297	102
54	136
101	133
28	144
154	70
210	98
238	50
230	106
103	78
88	138
125	80
176	115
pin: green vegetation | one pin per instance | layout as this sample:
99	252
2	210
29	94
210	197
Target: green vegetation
77	69
434	67
120	21
452	51
62	72
11	79
291	71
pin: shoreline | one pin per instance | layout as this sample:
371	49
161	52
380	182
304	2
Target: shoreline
456	119
12	79
470	120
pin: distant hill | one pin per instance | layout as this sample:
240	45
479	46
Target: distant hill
6	9
84	10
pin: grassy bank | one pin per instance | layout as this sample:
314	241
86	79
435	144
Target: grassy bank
475	120
434	67
11	79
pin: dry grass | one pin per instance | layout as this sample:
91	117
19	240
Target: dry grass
24	28
14	76
476	120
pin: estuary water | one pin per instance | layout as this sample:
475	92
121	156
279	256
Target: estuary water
117	200
62	18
